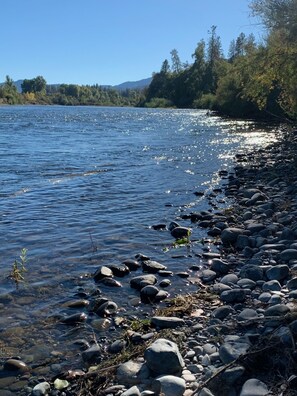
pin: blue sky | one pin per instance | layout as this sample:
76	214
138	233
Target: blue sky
110	41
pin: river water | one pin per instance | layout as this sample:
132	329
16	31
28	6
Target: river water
81	187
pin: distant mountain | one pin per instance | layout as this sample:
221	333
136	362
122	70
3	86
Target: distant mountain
140	84
133	84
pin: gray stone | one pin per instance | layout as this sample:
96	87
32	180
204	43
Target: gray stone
148	292
152	267
15	365
272	285
205	392
264	297
163	357
229	235
231	375
133	391
277	310
255	227
220	287
103	272
164	322
40	389
232	349
92	354
278	272
208	275
139	282
169	385
247	314
292	284
246	283
117	346
230	279
219	266
254	387
222	312
233	296
132	373
252	272
242	242
288	254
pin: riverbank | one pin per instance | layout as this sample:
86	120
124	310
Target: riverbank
235	335
228	324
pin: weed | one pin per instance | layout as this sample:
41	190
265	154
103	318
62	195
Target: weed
19	268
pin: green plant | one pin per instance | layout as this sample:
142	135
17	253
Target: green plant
19	267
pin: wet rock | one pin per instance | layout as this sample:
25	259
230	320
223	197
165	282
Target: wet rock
255	227
143	280
219	266
232	375
277	310
142	257
163	357
75	319
159	227
208	275
15	365
247	314
119	270
133	265
152	267
110	282
173	225
92	354
254	387
164	322
169	385
292	284
103	272
77	304
230	279
222	312
108	308
181	232
161	295
246	283
101	324
165	283
148	293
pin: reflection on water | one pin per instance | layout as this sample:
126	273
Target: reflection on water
80	187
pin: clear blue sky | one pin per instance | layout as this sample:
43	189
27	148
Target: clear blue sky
110	41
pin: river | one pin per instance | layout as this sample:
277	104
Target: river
81	187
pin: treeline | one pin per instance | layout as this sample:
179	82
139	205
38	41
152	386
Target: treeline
36	91
254	79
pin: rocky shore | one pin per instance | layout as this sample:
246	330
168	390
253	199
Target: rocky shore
234	336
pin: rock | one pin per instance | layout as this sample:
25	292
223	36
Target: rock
277	310
159	227
255	227
152	266
60	384
117	346
103	272
148	293
233	296
92	354
108	308
173	225
133	265
222	312
208	275
205	392
75	319
292	284
246	283
41	389
111	282
161	295
288	254
253	272
164	322
254	387
163	357
247	314
143	280
132	373
15	365
230	279
229	235
165	283
169	385
272	285
232	375
233	348
77	304
219	266
181	232
119	270
278	272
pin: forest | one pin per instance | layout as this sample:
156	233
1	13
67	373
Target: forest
255	79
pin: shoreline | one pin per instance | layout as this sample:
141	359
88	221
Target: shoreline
222	309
